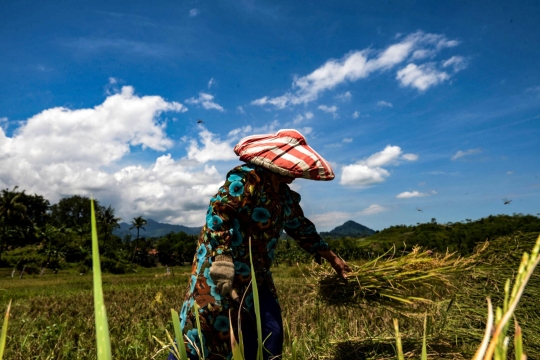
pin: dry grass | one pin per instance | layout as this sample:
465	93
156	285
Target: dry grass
52	317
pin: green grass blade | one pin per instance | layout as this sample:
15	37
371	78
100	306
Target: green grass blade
102	326
293	351
180	346
424	346
236	349
4	332
518	341
257	307
398	341
201	350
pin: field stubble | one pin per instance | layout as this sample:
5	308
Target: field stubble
52	317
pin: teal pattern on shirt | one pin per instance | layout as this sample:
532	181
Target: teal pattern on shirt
245	207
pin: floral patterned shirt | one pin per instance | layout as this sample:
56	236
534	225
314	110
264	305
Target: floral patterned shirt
246	207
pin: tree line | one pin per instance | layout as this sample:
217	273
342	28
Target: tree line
35	235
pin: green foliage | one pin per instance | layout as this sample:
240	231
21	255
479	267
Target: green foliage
459	236
176	248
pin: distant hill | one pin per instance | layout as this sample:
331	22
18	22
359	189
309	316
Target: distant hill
155	229
349	228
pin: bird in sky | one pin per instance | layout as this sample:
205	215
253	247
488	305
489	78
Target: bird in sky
506	201
418	209
199	121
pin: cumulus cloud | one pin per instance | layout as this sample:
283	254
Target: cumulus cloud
370	171
211	149
410	157
194	12
355	115
211	82
240	109
411	194
469	152
206	101
384	103
60	152
360	64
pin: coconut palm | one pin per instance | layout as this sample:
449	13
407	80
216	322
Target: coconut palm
10	209
108	221
137	223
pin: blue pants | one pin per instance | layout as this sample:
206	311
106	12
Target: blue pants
271	323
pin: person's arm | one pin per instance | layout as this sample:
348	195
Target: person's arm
303	231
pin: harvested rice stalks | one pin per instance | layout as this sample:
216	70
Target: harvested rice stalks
400	280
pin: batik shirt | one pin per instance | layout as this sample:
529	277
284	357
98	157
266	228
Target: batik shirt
246	207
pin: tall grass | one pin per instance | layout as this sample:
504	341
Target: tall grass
60	334
103	341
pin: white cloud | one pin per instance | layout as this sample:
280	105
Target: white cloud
360	64
206	101
61	152
355	115
384	103
240	109
347	140
194	12
211	82
332	219
309	115
328	109
370	171
298	119
457	62
410	157
421	77
509	172
212	149
346	96
247	130
469	152
411	194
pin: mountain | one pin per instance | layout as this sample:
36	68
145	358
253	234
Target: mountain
155	229
349	228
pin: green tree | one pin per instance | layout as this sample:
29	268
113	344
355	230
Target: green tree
72	211
108	221
138	223
11	210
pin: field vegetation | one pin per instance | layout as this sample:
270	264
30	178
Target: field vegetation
47	259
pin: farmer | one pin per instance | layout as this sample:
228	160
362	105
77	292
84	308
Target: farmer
255	203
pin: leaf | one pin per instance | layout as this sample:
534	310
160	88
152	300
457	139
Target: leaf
236	349
4	331
102	326
180	346
257	306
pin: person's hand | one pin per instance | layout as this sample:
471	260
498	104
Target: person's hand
222	274
339	265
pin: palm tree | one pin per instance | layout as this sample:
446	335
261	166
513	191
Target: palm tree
108	221
10	209
137	223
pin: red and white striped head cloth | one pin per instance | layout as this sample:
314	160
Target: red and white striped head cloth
286	153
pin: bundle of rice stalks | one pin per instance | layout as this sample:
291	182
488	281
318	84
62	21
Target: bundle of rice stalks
418	276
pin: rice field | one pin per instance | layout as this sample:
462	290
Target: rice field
52	317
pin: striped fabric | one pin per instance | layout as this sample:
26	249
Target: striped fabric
286	153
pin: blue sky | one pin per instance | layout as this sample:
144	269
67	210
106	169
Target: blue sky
418	105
